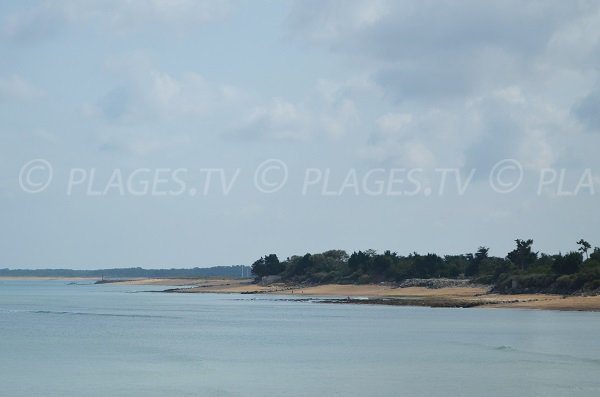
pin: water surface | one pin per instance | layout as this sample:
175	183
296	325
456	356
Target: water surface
58	339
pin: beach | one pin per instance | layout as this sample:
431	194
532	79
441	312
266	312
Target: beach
479	297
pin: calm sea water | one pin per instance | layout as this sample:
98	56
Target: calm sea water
106	340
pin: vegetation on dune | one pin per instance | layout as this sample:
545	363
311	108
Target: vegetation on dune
522	270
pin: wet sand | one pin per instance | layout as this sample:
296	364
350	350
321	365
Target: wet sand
556	302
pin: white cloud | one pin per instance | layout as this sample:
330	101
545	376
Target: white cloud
468	83
526	127
330	21
503	124
337	122
147	93
280	120
394	122
15	87
425	140
151	109
328	112
49	17
577	43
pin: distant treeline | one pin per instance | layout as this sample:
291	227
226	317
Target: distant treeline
133	272
521	270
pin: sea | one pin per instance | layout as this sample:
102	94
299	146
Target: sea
59	338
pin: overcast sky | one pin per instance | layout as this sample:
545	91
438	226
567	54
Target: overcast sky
303	110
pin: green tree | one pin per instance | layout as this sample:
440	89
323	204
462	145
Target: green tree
273	265
584	246
359	261
523	256
427	266
267	266
455	265
304	265
481	254
382	264
567	264
259	268
596	254
474	266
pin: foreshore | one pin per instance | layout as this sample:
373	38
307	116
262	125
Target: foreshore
479	297
382	294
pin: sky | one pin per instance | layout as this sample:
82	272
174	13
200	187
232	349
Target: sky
198	133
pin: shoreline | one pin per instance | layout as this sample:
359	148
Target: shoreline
43	278
377	294
374	294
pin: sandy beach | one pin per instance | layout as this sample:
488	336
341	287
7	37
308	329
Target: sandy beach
384	294
370	293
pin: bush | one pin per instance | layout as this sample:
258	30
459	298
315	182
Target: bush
536	281
565	282
364	279
592	285
569	283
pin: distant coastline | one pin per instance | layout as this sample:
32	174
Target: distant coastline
383	294
375	294
41	278
234	271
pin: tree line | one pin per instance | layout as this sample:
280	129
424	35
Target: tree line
236	271
522	269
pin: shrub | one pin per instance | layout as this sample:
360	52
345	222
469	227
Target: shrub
364	279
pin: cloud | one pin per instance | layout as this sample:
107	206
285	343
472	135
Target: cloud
328	112
46	18
503	124
394	122
588	110
577	43
527	127
147	93
422	140
467	83
15	87
425	50
151	109
34	23
425	28
280	120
